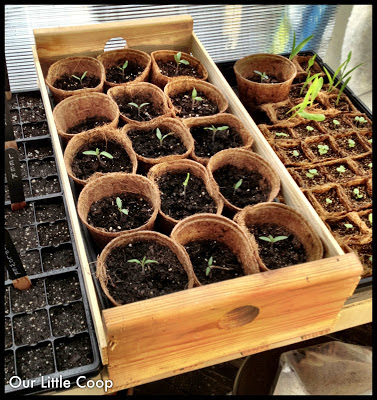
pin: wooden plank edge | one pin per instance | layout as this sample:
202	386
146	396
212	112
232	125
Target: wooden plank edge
86	273
290	190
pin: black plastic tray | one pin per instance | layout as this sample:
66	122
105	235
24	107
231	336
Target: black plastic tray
227	70
30	143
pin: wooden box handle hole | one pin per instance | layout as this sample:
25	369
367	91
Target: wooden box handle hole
238	317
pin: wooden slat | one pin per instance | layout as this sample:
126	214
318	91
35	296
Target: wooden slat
176	333
172	33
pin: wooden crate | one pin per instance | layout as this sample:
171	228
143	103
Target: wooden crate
180	332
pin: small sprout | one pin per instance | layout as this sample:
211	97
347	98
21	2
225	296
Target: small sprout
123	67
120	206
351	143
195	97
335	122
328	201
370	140
237	186
370	218
185	183
312	173
98	154
214	130
348	226
262	75
143	263
296	153
357	193
177	58
323	149
310	63
272	239
296	49
160	137
360	120
210	266
281	134
138	107
341	169
82	77
309	128
370	165
370	258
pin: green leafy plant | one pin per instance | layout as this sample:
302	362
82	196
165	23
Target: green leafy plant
328	201
195	97
341	169
82	77
122	210
272	239
138	107
308	80
310	63
351	143
262	75
295	153
309	128
296	49
322	149
185	183
360	120
281	134
370	218
357	194
348	226
335	122
370	140
160	137
143	263
178	60
237	185
370	165
123	67
214	130
98	154
210	266
312	173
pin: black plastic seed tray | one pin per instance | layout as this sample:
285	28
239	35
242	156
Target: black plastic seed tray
227	70
48	328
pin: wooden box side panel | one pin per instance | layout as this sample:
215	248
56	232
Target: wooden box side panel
188	330
150	34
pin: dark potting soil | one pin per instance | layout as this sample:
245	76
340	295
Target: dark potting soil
340	177
35	130
115	74
31	262
84	166
105	214
63	289
89	123
173	201
32	114
207	143
310	179
43	186
29	299
302	130
358	202
200	253
141	113
364	163
68	82
282	253
344	227
321	154
335	129
8	333
24	238
188	108
170	69
342	105
255	188
49	212
9	370
350	145
68	320
57	258
40	149
73	352
42	168
269	78
146	144
31	328
333	205
18	218
128	283
53	234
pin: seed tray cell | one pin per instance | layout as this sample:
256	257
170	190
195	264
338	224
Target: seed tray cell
44	240
68	320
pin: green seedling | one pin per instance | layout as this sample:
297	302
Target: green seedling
272	239
262	75
122	210
312	173
310	63
138	107
210	266
195	97
351	143
295	153
237	185
185	183
328	201
296	49
370	218
360	120
160	137
341	169
323	149
308	80
348	226
98	154
123	67
370	141
82	77
178	60
357	194
281	134
143	263
309	128
370	258
370	165
214	130
335	122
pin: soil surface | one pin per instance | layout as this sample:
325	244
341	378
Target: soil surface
295	155
335	206
254	188
357	202
170	69
280	134
32	114
42	168
83	166
311	180
68	320
282	253
207	143
57	258
200	253
365	163
115	74
141	113
178	206
146	144
351	145
342	105
44	186
31	262
334	129
330	153
28	300
340	176
89	123
24	238
31	328
344	227
40	149
68	82
35	130
187	108
50	211
105	214
301	130
73	353
269	78
53	234
128	283
18	218
63	289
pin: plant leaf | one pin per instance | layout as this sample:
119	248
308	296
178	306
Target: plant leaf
143	104
185	62
90	153
297	49
106	154
133	105
124	211
278	238
83	75
134	260
119	202
150	261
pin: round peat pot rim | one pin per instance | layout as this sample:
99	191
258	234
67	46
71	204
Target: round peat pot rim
146	235
194	168
253	162
91	104
290	218
102	187
68	65
103	133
